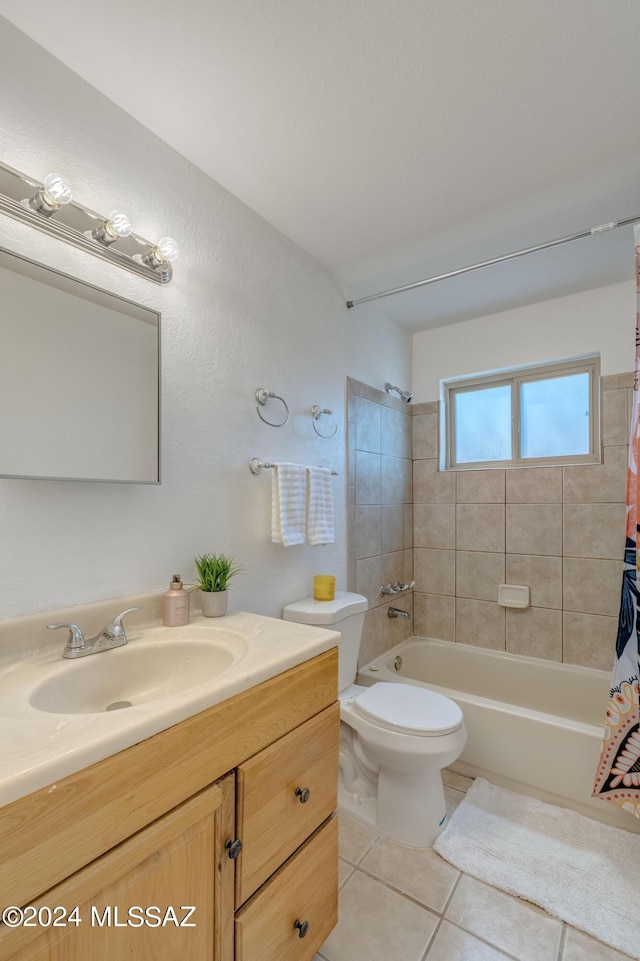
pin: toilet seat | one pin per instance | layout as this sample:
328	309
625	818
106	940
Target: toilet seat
408	709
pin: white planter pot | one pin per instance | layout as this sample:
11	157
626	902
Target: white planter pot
214	603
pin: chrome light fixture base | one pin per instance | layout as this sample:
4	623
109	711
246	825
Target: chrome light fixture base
21	199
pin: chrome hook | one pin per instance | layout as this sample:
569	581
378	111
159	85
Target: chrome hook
316	413
262	396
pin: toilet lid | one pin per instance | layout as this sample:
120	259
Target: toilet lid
409	709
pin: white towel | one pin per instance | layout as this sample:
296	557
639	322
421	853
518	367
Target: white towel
319	506
288	504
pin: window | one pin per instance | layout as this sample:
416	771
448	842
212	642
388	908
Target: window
529	416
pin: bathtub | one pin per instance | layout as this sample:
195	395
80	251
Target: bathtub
533	725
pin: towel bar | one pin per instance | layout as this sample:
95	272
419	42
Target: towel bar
256	465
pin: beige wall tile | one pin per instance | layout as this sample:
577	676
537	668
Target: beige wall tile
535	632
367	425
408	525
478	574
480	486
597	483
481	623
351	453
534	529
368	530
369	579
368	486
408	566
480	527
434	571
543	575
435	616
392	479
594	530
351	518
372	643
408	482
431	486
425	407
589	640
615	418
534	485
392	528
393	568
351	571
425	436
434	525
617	381
395	432
397	629
591	586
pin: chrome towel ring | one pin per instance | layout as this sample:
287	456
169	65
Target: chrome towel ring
316	413
262	396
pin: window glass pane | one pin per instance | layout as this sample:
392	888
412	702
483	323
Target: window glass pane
554	416
483	424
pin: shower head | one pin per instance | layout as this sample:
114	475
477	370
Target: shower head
405	395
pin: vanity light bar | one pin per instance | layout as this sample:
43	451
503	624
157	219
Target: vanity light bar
21	197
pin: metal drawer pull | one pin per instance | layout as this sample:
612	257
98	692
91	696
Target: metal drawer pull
233	848
302	927
303	793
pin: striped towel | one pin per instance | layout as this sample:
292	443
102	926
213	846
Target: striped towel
288	504
319	506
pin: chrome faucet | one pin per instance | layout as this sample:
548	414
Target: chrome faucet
113	635
396	612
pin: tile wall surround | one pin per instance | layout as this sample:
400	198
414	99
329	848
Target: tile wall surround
558	529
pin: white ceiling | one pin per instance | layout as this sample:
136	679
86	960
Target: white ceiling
391	140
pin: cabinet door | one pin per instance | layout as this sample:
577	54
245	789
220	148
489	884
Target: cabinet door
284	793
295	911
177	863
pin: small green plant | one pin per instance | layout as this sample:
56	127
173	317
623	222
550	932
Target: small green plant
215	571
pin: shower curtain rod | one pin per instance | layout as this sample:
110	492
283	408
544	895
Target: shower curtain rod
592	231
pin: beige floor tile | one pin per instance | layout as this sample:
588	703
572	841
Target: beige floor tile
458	781
516	927
376	924
453	944
420	873
355	838
345	870
453	798
580	947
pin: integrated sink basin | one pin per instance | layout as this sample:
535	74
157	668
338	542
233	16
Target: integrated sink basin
134	674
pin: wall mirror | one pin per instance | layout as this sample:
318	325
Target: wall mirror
79	379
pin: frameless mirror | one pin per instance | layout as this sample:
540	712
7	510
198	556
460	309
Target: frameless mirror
79	379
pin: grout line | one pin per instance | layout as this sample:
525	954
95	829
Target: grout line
432	939
490	944
399	891
563	938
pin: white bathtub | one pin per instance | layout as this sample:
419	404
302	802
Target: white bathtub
533	725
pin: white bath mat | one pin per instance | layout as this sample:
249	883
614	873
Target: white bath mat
578	870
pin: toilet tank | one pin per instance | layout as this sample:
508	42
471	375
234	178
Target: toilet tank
345	614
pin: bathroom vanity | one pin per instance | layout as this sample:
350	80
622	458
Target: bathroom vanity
214	839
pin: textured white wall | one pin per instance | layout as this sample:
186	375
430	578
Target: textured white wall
595	320
247	309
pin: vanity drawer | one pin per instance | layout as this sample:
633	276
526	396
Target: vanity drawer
283	794
304	890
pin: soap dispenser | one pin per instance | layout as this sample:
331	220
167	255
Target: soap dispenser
175	604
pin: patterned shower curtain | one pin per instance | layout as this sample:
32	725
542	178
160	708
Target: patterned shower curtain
618	773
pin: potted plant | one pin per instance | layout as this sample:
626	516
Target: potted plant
214	573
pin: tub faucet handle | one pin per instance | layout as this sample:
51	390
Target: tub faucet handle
389	589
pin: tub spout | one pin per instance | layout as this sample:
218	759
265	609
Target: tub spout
396	612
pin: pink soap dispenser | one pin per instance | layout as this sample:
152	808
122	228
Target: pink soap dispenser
175	604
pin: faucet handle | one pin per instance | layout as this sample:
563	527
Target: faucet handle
75	640
116	628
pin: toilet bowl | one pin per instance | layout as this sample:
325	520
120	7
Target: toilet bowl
394	738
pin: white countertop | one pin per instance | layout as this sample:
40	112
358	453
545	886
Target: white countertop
40	748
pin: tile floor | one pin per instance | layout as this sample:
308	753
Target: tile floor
397	904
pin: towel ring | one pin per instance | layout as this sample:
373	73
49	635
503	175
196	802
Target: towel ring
262	396
316	413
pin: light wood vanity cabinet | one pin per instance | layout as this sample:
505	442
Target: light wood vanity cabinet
151	826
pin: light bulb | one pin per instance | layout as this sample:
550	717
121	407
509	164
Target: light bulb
168	249
118	223
57	191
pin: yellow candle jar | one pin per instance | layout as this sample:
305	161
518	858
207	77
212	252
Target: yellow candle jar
324	587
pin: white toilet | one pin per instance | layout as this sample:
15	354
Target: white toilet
394	738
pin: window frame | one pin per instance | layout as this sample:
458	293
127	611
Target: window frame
514	377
